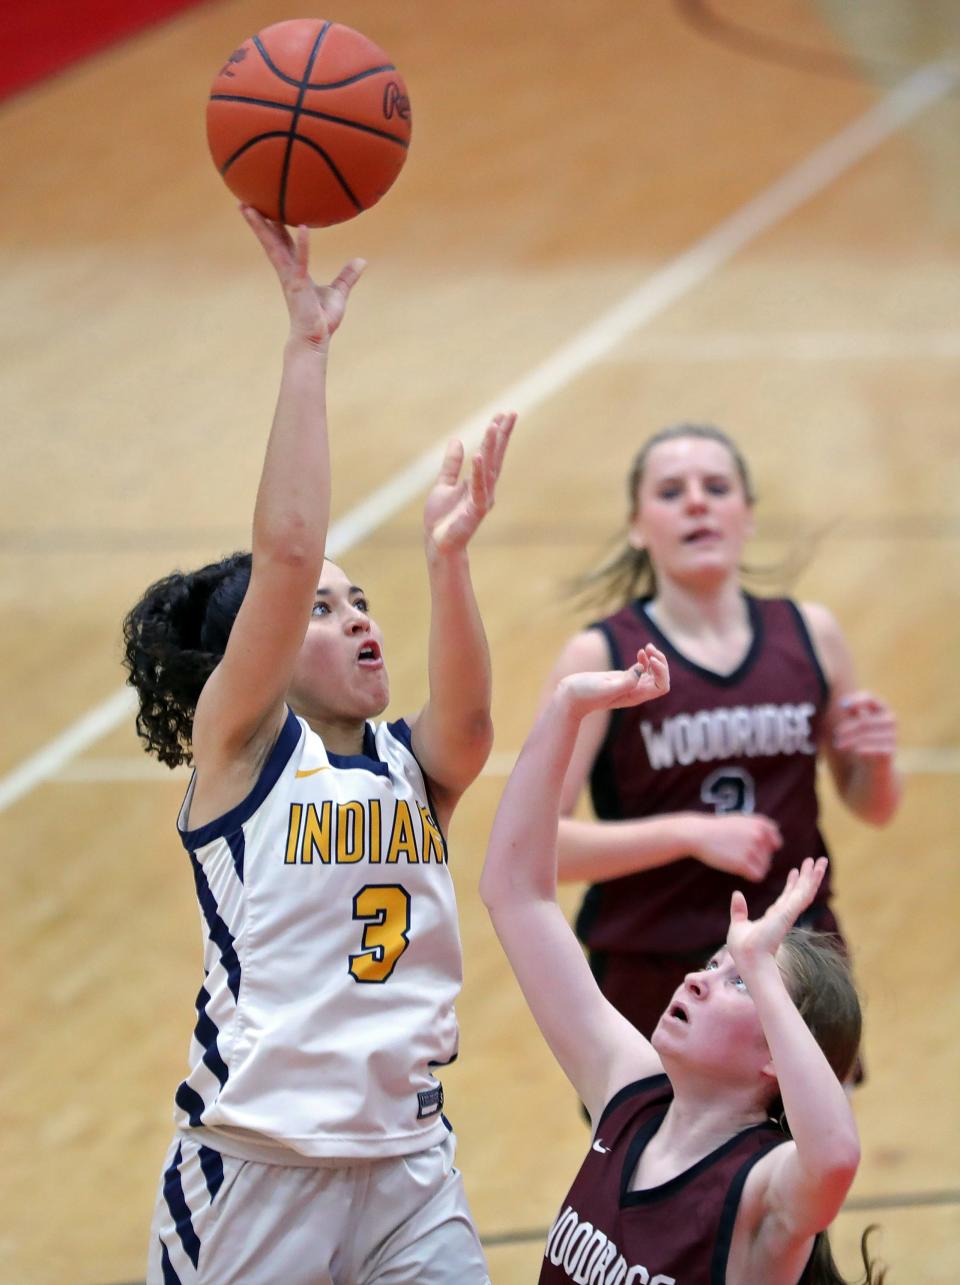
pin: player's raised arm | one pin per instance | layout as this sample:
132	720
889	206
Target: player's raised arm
597	1048
453	733
798	1188
242	703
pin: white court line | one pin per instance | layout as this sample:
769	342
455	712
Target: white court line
50	760
929	761
819	346
677	278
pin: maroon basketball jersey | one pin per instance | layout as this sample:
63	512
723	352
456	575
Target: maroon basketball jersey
740	742
675	1234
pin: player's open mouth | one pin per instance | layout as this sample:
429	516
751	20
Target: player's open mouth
369	655
678	1012
701	535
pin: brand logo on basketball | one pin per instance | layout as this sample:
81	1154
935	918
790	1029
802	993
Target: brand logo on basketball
238	55
395	101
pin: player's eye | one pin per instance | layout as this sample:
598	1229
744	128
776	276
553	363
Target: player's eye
320	608
718	486
362	604
710	965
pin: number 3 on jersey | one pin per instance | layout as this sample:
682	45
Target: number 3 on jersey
385	908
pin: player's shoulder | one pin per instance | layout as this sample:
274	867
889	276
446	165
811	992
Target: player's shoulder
825	632
819	619
586	650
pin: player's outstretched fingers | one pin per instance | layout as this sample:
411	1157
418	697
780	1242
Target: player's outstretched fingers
505	422
348	276
481	491
658	667
452	462
273	237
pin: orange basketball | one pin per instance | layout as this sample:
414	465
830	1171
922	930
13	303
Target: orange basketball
308	122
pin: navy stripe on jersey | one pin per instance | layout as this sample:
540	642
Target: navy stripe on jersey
191	1104
211	1162
231	821
205	1033
368	760
449	1062
237	846
220	934
401	731
170	1277
180	1210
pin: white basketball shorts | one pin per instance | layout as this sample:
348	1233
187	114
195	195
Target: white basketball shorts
224	1221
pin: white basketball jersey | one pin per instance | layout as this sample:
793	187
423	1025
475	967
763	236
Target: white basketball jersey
332	958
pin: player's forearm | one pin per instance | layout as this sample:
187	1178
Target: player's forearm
873	789
599	850
293	500
521	859
816	1104
458	662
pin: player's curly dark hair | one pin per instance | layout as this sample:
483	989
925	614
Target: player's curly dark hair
173	640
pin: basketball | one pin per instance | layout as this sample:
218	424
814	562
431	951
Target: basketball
308	122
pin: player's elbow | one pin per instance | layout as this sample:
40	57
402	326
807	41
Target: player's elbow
839	1162
469	746
494	886
510	885
288	541
886	807
478	735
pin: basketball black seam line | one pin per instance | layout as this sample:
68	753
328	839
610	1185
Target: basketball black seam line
285	172
308	111
257	138
331	84
297	138
300	138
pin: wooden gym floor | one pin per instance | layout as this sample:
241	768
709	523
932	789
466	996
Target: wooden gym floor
567	159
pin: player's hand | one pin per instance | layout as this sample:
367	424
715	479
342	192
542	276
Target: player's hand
457	505
618	688
738	843
867	727
750	941
315	311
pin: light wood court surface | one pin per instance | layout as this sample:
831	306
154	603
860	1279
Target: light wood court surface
563	153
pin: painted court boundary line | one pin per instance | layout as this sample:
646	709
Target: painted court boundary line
675	279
